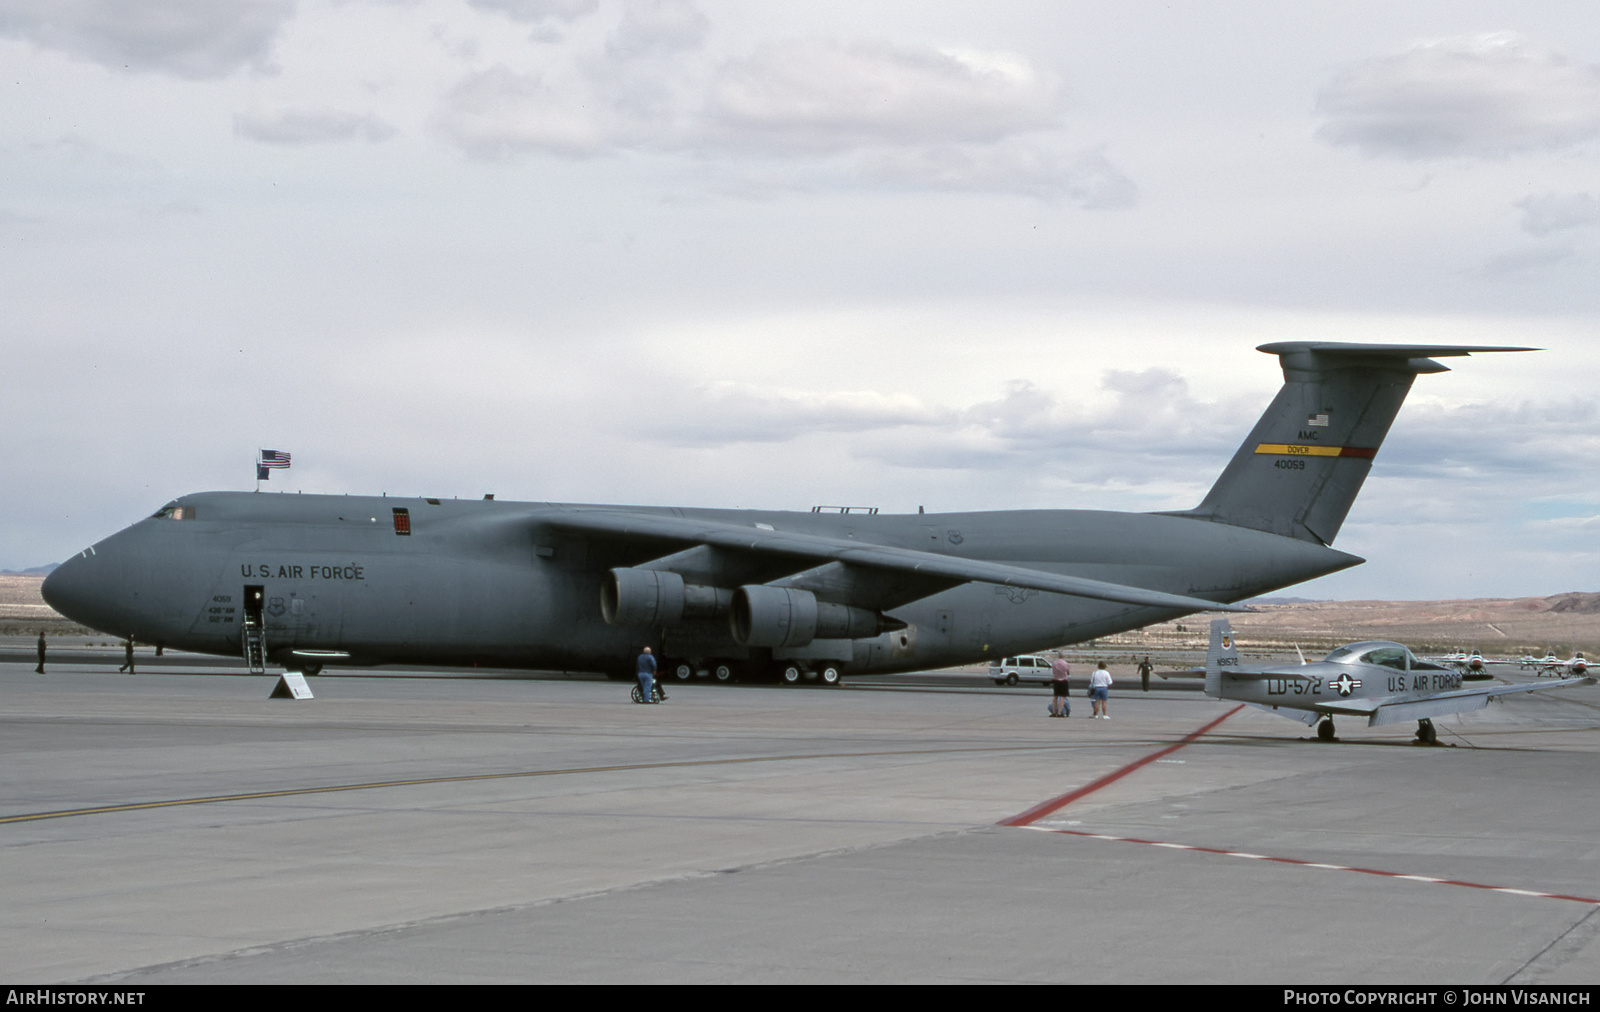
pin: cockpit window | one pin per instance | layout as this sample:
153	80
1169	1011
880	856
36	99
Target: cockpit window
1388	655
173	511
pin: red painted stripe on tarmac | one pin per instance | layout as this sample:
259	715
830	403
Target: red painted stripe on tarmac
1042	809
1407	876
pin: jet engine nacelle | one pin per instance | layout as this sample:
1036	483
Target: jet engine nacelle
658	597
765	616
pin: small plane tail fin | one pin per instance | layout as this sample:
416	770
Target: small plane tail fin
1221	654
1303	464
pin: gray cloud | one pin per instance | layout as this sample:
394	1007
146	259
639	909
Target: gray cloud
1475	95
1556	212
195	39
658	26
309	126
720	414
497	113
829	112
1013	165
1520	264
1147	414
535	11
1533	448
828	95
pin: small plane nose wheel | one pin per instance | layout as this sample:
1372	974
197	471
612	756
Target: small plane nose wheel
1426	735
1325	730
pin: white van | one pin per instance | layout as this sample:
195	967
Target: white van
1011	670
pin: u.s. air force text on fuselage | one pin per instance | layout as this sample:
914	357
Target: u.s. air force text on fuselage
309	580
303	571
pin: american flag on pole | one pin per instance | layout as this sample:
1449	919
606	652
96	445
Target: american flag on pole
267	461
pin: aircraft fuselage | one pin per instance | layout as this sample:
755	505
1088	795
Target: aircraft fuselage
502	584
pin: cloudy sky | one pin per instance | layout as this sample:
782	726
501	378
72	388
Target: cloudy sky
958	255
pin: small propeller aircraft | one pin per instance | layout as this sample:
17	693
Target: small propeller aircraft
1382	681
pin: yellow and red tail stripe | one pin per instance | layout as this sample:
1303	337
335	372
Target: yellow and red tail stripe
1299	450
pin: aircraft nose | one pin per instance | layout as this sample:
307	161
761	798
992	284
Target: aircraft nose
73	589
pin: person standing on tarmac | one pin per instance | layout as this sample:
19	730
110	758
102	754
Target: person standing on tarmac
40	669
647	675
1144	673
1100	691
1060	706
127	656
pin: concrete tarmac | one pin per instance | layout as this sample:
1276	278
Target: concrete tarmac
181	827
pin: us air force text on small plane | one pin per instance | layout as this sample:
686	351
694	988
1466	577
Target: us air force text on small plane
49	996
1437	996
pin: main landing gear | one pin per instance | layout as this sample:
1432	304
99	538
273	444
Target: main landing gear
794	674
1426	735
784	673
1325	730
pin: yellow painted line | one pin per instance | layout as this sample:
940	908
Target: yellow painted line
1297	450
463	778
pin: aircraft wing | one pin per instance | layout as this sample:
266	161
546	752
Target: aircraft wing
810	549
1390	710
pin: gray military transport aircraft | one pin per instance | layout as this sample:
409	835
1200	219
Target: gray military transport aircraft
311	580
1377	679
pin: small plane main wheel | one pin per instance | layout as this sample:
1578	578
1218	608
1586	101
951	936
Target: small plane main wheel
312	670
683	670
829	674
1011	679
1426	734
791	674
1325	731
722	672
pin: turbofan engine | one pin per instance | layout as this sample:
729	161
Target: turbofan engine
657	597
764	616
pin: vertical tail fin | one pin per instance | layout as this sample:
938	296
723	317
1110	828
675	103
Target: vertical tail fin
1300	470
1221	654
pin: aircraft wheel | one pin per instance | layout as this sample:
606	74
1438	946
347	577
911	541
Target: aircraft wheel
791	674
1011	679
1426	734
1325	731
683	671
722	672
830	674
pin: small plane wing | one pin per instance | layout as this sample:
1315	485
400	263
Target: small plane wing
1391	710
811	547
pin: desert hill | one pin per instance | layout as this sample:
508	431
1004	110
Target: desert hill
1497	626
